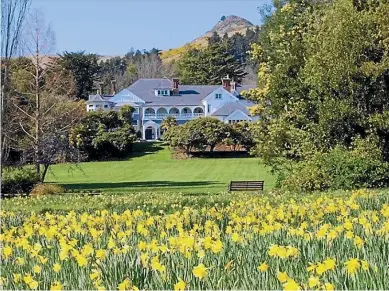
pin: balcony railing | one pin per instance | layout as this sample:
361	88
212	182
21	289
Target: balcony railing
177	116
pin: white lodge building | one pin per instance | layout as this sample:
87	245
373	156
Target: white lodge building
155	99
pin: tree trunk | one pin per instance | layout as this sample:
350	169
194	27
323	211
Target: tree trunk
45	168
37	113
3	114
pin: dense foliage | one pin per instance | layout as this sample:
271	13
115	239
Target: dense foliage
134	65
84	68
209	65
324	71
18	180
104	135
42	108
205	133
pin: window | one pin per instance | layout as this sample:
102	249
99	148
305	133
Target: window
209	108
218	96
134	122
136	110
234	121
105	106
90	105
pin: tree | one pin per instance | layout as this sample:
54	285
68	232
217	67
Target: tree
13	14
126	70
169	122
125	114
212	130
84	68
214	38
240	135
196	134
104	135
323	69
45	110
209	66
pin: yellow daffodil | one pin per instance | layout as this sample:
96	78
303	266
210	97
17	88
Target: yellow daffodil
200	271
313	282
263	267
56	286
180	285
282	276
36	269
352	266
291	285
329	287
33	284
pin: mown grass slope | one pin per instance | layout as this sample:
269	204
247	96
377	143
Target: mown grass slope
152	168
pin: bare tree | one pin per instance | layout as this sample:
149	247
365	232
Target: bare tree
47	113
13	14
149	66
252	77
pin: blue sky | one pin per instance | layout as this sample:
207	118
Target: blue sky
112	27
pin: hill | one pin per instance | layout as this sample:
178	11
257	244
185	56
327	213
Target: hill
230	25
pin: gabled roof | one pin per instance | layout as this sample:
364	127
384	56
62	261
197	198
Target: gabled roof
127	96
229	108
96	97
188	94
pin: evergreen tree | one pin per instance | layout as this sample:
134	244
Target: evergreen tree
84	68
208	66
215	38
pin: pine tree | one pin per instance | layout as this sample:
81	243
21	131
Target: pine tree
210	65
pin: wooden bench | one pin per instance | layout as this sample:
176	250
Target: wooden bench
246	186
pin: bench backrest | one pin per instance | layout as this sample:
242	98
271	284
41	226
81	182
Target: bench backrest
246	185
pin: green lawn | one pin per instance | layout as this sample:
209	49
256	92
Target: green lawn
151	168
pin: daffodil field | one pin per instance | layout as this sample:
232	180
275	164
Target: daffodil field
249	241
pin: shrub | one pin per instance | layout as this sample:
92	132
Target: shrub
105	135
196	134
18	180
339	169
47	189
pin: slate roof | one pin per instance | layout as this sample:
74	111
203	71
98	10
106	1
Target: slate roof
189	94
98	97
229	108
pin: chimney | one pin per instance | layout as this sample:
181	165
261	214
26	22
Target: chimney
113	87
176	90
100	89
233	86
226	82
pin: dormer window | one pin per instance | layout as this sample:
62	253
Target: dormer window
218	96
162	92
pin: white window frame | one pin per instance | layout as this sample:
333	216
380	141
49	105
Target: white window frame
218	96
